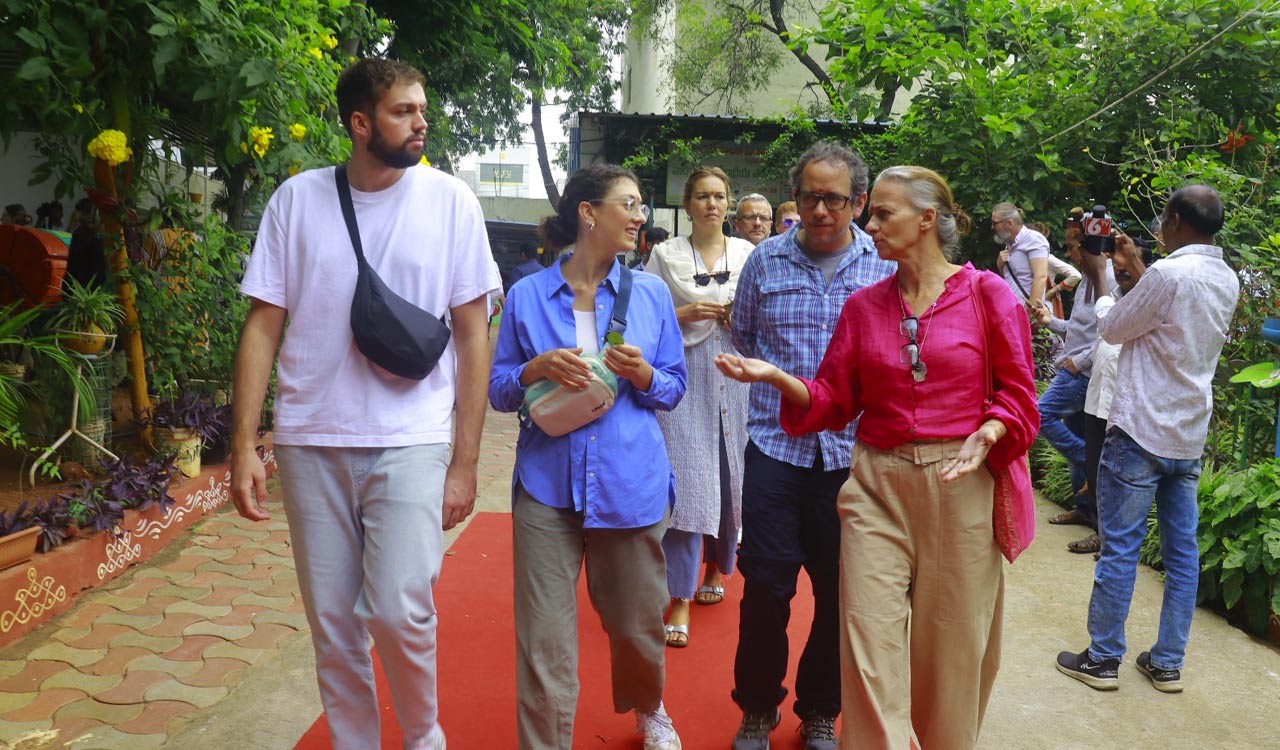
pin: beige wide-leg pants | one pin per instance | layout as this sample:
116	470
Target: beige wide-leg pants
922	591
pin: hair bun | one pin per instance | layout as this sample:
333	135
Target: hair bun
964	224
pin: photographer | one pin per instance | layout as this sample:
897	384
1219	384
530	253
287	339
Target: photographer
1065	397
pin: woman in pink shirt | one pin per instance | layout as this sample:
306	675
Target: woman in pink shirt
921	576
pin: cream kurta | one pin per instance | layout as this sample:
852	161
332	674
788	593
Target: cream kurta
713	406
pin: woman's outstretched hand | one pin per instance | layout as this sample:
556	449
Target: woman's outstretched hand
745	369
974	451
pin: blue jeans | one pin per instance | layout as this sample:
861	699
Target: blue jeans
1129	480
1062	400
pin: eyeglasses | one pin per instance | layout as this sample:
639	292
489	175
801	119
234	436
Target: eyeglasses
790	222
702	279
630	203
910	354
763	218
833	201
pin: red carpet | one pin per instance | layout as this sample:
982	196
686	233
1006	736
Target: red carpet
477	661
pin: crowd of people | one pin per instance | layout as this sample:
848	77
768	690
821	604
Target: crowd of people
813	393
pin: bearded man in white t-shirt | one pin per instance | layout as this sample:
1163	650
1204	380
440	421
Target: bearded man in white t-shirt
364	455
1027	268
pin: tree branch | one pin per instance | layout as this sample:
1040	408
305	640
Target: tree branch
540	140
780	24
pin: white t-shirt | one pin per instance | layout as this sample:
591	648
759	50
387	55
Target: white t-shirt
1026	245
425	236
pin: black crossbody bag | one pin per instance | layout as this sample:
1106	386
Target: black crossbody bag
390	331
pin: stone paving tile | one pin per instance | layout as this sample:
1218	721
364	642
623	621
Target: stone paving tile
264	636
284	587
115	661
66	635
226	650
10	667
267	558
32	675
154	643
191	608
200	697
76	657
208	579
244	556
214	672
155	663
184	564
45	703
193	648
234	570
24	731
122	603
261	572
92	708
71	730
137	622
99	636
227	632
91	684
247	533
183	592
219	542
155	717
131	690
85	613
137	587
221	595
294	620
172	576
12	701
213	553
242	615
155	605
173	624
270	602
110	738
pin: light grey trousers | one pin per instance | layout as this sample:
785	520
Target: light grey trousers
626	580
365	524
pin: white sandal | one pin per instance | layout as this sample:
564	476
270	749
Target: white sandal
674	630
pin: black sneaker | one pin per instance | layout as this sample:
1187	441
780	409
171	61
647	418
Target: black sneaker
1164	680
1097	675
819	732
755	729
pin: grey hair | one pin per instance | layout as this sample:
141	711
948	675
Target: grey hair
926	189
751	197
830	152
1007	210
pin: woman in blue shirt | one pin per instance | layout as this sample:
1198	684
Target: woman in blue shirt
602	493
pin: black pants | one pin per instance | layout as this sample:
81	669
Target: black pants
789	521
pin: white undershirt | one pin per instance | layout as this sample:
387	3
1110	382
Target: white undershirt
585	322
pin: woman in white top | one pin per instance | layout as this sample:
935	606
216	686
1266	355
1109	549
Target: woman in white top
706	434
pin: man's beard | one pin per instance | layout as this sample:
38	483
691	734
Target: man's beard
1001	238
396	158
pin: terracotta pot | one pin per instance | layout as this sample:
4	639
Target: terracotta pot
185	443
88	342
18	547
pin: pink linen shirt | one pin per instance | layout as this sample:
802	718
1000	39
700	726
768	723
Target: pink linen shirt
862	371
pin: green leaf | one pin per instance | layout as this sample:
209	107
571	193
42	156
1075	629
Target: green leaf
257	72
160	29
32	39
35	69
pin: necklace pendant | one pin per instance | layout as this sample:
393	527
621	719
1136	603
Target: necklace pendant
918	372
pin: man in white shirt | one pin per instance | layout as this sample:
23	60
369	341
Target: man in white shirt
1027	270
364	455
1172	325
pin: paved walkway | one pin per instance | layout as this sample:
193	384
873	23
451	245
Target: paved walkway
205	648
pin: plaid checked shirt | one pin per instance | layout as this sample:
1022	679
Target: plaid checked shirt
784	312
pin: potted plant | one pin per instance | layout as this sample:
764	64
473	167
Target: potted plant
53	518
182	426
18	536
87	317
91	508
140	484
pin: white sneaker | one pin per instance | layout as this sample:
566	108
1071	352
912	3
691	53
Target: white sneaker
434	739
659	733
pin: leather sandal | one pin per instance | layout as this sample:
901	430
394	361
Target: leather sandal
1091	544
1070	518
677	635
709	594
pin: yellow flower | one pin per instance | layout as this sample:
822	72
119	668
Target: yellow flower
351	58
78	108
261	139
329	41
111	147
294	168
424	160
244	147
297	131
315	52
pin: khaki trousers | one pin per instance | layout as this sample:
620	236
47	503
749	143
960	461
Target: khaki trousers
627	583
922	591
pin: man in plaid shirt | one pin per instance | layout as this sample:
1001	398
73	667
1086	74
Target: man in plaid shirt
789	297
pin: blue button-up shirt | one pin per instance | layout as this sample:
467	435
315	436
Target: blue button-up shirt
615	470
784	312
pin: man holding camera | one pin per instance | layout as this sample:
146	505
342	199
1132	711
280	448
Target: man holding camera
1172	325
